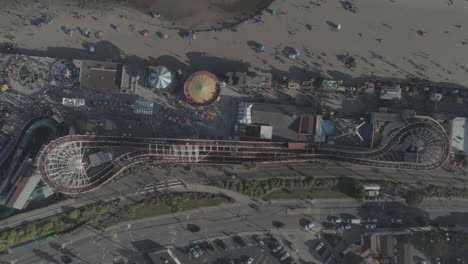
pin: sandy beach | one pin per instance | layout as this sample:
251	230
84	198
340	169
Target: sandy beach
383	36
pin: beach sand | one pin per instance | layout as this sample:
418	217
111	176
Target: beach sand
382	36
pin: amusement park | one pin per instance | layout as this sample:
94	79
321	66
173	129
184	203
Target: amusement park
233	132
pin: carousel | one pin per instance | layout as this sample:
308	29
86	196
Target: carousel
64	73
202	89
159	77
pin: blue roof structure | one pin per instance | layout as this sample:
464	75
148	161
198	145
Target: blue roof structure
159	77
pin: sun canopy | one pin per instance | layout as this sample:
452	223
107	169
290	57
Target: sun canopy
160	77
202	88
244	114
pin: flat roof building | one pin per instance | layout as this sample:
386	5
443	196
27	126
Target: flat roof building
164	256
285	119
458	133
23	189
100	75
390	92
256	132
73	102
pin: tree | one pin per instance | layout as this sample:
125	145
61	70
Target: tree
433	243
352	188
414	198
250	165
74	214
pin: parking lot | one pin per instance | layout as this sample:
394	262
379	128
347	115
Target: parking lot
234	249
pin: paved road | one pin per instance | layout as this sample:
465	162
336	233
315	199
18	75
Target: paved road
93	247
443	176
127	187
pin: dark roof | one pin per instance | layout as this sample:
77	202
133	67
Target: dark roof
307	124
99	75
284	119
352	258
4	139
163	257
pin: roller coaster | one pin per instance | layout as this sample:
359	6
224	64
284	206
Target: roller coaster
64	166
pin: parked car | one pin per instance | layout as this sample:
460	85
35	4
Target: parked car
355	221
199	250
293	247
220	244
372	220
309	225
278	224
346	227
290	245
206	246
396	221
281	252
277	249
193	228
284	256
335	219
330	259
239	241
259	240
319	246
371	226
248	261
193	252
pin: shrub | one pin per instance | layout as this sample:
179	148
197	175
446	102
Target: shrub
414	198
250	165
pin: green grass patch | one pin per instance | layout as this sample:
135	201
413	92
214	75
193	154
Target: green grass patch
308	188
289	194
166	204
57	224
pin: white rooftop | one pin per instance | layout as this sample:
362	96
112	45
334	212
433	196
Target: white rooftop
73	102
458	133
390	93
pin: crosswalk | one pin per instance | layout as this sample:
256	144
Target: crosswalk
152	187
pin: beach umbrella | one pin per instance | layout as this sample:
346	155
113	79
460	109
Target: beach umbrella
160	77
260	48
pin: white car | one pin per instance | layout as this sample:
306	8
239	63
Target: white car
259	240
248	261
319	246
355	221
334	219
309	226
293	248
346	227
194	253
276	249
199	250
285	256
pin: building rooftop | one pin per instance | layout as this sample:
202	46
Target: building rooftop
284	119
24	188
458	132
164	256
4	139
347	132
390	92
99	75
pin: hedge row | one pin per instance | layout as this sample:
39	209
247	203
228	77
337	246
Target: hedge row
53	224
348	186
446	192
174	200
